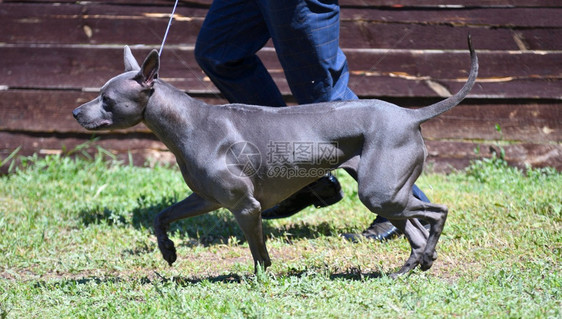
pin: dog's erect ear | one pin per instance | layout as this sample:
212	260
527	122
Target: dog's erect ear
149	70
131	63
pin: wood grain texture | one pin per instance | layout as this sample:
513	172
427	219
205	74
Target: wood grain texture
495	29
344	3
373	72
520	121
443	156
54	56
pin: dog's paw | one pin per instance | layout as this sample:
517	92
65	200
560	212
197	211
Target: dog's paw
395	275
427	261
168	250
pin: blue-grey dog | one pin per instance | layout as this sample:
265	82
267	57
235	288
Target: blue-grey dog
248	158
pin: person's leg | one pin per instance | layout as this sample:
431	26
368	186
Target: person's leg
232	33
419	194
306	38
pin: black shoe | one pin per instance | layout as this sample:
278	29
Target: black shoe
380	229
324	192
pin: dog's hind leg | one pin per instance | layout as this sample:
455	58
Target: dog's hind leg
387	191
435	215
248	216
417	237
192	206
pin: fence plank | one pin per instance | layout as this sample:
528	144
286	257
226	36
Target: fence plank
494	29
344	3
521	121
410	52
36	111
374	72
443	156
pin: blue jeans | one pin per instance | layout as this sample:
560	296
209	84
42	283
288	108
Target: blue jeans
305	34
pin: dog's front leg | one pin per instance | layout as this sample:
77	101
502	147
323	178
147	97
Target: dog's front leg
249	218
193	205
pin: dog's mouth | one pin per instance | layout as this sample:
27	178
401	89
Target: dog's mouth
98	125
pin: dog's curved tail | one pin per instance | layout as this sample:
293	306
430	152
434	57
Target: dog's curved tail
431	111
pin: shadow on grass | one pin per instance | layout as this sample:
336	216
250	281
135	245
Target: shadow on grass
347	274
231	278
217	227
350	274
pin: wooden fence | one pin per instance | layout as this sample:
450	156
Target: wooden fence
54	55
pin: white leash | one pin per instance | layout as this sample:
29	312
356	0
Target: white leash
168	28
179	58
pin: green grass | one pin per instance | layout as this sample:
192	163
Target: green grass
76	241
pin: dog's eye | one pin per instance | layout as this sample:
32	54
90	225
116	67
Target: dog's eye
107	103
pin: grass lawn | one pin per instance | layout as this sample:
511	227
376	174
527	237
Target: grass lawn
76	242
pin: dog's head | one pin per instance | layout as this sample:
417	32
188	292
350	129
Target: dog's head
122	100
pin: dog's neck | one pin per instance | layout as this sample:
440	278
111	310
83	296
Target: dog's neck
170	114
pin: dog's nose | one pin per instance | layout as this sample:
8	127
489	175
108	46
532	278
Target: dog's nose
76	112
